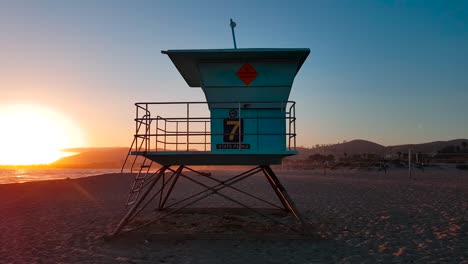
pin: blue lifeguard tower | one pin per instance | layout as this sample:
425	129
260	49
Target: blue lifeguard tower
247	119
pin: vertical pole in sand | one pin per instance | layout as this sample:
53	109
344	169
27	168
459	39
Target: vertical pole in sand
409	163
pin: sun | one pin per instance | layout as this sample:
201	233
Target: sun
35	135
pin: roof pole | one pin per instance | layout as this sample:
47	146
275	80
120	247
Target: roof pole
233	25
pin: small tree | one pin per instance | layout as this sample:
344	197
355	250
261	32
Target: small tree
317	158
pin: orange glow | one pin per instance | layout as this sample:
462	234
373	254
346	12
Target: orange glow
35	135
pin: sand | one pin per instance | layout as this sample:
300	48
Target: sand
358	217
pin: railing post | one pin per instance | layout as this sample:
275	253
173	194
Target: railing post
289	129
136	129
283	116
188	116
294	107
240	124
177	136
157	132
149	128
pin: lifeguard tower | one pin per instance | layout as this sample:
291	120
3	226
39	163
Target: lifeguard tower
246	120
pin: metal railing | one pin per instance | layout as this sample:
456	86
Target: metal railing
186	126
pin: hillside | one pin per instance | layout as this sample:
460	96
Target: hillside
359	146
426	147
356	146
352	147
114	157
93	158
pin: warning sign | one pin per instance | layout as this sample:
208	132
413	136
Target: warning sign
247	73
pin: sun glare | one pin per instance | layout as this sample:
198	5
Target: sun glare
35	135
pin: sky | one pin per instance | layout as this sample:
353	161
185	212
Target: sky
392	72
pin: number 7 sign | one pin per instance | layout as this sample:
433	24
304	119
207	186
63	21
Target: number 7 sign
232	128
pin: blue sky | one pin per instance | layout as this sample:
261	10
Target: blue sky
388	71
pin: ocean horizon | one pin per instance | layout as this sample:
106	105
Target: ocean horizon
22	175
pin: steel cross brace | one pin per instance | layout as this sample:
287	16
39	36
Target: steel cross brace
209	190
223	183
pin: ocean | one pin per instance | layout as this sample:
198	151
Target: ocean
35	174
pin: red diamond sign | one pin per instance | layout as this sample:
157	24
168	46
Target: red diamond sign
247	73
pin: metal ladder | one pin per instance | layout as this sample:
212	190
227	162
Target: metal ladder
144	172
140	181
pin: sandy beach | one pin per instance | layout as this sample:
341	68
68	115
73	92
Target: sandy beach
357	217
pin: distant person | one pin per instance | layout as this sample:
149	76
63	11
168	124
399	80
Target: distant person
383	166
325	166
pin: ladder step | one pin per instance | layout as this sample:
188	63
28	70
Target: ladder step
132	198
136	190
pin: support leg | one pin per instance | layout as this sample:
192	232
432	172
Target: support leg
145	198
285	196
174	181
132	210
275	188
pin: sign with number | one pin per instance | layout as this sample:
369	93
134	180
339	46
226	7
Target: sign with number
233	128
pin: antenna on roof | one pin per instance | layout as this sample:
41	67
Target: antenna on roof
233	25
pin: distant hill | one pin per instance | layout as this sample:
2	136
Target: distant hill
114	157
360	146
108	158
102	158
357	146
426	147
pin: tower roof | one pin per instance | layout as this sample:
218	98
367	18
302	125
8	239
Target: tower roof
186	61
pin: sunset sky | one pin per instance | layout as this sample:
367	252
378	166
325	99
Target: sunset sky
391	72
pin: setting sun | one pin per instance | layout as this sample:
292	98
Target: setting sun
35	135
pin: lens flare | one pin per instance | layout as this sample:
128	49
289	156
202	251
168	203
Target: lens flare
35	135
